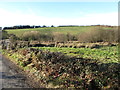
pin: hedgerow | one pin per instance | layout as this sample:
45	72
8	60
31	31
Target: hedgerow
57	70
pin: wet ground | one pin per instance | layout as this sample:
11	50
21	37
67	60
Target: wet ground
10	75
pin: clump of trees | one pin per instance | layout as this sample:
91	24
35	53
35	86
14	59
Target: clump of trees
24	27
21	27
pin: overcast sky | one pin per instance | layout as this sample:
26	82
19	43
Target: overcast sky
58	13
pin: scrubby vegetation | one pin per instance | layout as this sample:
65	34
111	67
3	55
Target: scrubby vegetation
57	70
104	54
5	35
63	34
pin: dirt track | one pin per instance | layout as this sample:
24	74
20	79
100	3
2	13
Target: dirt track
10	75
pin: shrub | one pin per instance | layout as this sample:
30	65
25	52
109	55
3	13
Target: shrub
4	34
13	37
99	35
59	37
36	35
32	35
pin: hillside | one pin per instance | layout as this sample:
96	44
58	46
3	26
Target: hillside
64	30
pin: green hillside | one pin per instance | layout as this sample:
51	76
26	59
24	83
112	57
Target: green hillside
64	30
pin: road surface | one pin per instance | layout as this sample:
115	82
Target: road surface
10	76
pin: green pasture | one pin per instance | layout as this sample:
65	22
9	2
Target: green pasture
64	30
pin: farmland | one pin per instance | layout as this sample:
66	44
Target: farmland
64	30
84	57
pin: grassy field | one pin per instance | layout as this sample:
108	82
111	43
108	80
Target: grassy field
104	54
64	30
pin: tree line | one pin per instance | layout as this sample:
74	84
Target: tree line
24	27
28	26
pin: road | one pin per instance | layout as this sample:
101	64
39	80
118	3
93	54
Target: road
10	75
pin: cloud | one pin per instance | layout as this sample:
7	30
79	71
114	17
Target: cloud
11	18
110	18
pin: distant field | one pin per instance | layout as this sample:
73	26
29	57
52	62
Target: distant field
64	30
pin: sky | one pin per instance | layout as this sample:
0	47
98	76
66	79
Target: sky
58	13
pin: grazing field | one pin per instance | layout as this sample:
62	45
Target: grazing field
64	30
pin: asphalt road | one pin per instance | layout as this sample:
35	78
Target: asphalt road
10	76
